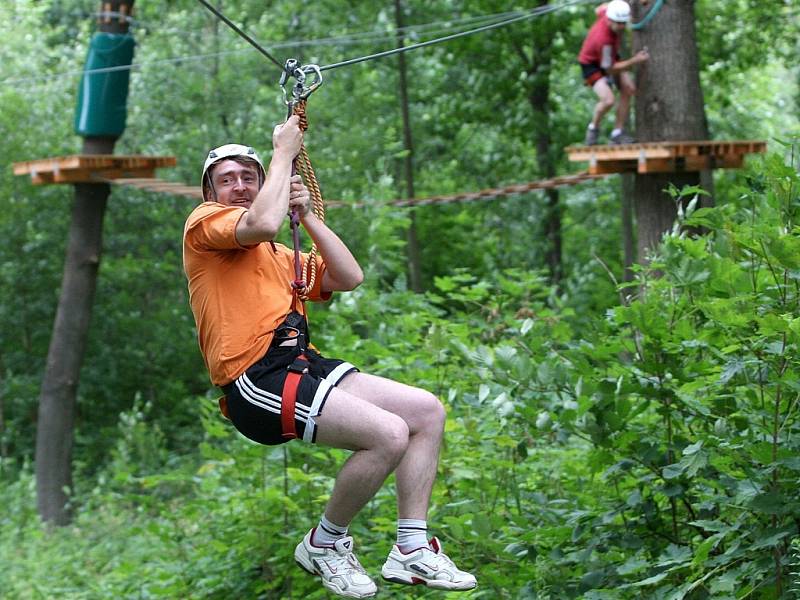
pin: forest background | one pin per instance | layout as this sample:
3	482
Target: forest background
601	443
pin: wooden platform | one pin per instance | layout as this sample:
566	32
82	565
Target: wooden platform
665	157
91	168
162	187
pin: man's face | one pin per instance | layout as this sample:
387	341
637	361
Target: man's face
235	184
616	26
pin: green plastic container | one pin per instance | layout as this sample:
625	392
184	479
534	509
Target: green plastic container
103	96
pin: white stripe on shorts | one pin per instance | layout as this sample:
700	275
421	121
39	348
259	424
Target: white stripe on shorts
336	375
322	392
263	399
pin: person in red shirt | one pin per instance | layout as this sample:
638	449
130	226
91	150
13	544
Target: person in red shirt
602	68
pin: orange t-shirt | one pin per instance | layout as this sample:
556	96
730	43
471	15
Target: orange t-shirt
239	294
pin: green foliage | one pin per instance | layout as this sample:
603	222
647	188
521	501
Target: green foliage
690	407
647	453
593	450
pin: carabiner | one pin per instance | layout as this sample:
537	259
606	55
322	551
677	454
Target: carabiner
300	91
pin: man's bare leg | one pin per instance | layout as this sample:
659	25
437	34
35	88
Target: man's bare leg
379	439
424	416
605	100
626	92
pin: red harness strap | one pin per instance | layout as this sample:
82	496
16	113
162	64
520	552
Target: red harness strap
289	395
223	407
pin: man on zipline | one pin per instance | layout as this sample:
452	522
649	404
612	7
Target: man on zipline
253	335
602	68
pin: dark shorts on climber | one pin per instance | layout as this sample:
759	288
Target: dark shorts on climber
277	398
592	73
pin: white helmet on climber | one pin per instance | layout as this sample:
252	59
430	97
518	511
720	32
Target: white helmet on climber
230	151
618	11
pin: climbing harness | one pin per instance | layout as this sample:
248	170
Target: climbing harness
293	333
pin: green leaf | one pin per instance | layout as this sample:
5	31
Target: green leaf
770	503
482	525
632	566
649	581
674	470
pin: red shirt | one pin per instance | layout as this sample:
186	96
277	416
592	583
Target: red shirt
600	35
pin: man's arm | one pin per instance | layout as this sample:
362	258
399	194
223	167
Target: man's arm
342	272
624	65
263	219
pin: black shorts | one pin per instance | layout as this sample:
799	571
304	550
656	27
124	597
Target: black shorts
593	72
254	398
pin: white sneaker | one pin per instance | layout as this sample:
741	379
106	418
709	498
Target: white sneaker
338	567
429	566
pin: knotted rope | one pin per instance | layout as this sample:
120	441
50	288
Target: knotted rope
303	165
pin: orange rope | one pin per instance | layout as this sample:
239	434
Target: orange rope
303	163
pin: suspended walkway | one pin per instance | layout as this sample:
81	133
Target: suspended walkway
649	157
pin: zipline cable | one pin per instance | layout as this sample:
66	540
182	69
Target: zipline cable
233	26
344	40
530	14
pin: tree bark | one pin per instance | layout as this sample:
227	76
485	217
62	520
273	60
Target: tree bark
669	106
539	99
627	230
412	242
57	401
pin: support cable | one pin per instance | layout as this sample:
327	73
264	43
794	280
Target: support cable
233	26
528	15
496	19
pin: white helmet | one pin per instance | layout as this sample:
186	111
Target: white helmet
228	151
619	11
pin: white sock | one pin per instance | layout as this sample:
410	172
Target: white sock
615	132
591	126
411	534
327	533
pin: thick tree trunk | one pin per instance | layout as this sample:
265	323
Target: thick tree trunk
56	420
669	106
539	99
412	243
59	388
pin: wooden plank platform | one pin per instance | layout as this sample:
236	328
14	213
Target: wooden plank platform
162	187
91	168
665	157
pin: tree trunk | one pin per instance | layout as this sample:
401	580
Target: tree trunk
56	420
412	243
57	401
539	99
626	215
669	106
